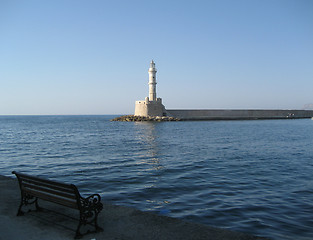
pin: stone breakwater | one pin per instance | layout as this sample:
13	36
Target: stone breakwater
237	114
133	118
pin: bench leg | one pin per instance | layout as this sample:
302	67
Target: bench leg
39	209
26	200
82	221
19	211
78	235
98	229
90	218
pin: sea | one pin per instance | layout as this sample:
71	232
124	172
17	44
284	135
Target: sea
253	176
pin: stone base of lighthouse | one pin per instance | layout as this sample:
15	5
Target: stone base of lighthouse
150	108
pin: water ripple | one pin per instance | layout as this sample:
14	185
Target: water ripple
249	176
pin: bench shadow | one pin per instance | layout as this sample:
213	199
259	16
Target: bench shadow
57	218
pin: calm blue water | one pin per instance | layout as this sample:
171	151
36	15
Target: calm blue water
249	176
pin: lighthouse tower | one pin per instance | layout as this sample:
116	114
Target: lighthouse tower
151	106
152	82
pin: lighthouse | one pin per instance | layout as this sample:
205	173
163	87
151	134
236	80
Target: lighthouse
151	106
152	82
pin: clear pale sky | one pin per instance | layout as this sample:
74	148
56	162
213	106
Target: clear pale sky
92	57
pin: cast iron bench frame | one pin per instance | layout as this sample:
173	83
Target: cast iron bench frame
64	194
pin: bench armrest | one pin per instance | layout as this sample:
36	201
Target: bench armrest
91	203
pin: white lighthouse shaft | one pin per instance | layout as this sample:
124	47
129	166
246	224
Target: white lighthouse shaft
152	82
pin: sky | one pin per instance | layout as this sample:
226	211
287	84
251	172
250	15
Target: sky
92	57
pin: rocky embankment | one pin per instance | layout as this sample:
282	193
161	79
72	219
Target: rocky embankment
133	118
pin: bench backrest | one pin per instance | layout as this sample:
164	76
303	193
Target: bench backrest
61	193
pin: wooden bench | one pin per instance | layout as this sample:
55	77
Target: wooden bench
67	195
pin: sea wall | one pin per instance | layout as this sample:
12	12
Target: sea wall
220	114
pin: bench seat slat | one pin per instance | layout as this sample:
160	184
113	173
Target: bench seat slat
51	198
25	176
50	191
69	188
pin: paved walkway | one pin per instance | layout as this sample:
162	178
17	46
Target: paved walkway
118	222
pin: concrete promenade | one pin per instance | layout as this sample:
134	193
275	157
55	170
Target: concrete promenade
118	222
